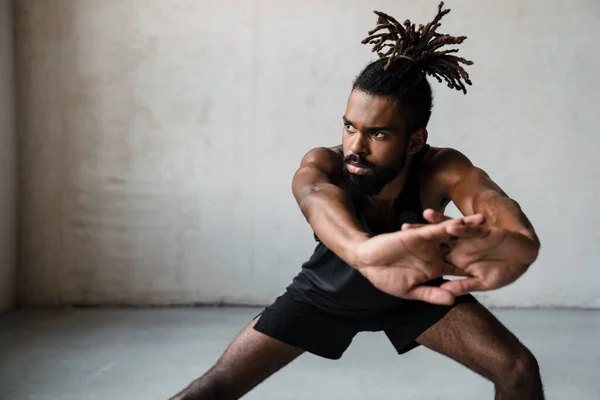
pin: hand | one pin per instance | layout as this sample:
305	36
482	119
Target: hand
399	263
492	260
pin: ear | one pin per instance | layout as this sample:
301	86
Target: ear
417	140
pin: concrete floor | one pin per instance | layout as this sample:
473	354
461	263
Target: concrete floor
150	354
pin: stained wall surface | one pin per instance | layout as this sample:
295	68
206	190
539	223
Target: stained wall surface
7	160
159	139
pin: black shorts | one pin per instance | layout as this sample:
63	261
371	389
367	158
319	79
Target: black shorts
294	321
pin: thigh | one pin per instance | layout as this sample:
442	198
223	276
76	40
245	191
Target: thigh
281	333
473	336
251	358
407	322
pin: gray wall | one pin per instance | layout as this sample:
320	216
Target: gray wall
7	160
160	139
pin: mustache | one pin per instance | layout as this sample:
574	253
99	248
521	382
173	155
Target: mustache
358	160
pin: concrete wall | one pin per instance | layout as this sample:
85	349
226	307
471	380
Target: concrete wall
7	160
160	139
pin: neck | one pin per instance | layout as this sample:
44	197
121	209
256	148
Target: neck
390	193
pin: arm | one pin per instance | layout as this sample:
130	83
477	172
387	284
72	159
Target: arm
473	191
326	206
510	245
397	263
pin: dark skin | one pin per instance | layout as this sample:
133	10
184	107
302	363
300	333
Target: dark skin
492	246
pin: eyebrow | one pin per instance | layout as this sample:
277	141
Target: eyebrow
369	129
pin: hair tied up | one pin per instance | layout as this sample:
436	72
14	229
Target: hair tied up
394	41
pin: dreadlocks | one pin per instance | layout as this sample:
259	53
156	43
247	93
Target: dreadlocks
406	55
421	46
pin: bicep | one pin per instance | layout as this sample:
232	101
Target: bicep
319	167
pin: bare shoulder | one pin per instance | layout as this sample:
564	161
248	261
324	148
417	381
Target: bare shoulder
326	160
447	166
321	153
441	169
337	150
446	159
323	158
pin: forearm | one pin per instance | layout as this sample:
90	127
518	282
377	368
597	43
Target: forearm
502	212
330	213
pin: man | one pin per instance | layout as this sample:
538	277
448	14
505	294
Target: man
376	206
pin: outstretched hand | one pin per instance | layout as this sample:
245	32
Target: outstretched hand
400	263
491	260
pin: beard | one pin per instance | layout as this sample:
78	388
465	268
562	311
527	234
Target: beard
371	183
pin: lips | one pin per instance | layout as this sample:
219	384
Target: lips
357	169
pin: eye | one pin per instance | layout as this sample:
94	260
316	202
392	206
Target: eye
350	128
379	135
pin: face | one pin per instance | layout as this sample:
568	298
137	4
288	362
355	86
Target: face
375	142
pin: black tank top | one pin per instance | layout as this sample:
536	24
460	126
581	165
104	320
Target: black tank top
328	283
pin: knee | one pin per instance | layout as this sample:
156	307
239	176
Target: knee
519	370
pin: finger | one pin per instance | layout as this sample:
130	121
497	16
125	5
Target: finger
430	294
438	231
432	232
469	232
462	286
408	226
475	219
434	217
465	231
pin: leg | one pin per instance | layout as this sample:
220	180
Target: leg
284	330
471	335
250	359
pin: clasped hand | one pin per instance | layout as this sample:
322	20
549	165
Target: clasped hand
401	263
490	258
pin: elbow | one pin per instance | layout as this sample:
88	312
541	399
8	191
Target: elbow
533	246
537	247
535	252
303	203
314	199
305	197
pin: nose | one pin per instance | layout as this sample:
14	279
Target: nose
359	144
